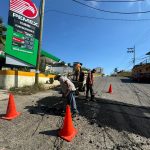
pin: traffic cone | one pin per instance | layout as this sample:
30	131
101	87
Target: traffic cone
68	131
11	109
110	89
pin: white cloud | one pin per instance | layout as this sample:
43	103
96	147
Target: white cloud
130	4
146	2
93	4
139	5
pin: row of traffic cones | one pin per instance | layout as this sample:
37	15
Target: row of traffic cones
67	132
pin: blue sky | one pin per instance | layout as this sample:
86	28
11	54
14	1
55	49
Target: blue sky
94	42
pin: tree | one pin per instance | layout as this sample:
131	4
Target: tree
62	63
115	70
2	42
85	69
69	64
2	32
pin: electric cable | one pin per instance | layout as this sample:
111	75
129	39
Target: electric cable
96	18
113	12
115	1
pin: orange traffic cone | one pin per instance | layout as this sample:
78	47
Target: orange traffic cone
68	131
110	89
11	109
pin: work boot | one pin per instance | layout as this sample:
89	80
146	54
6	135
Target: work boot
75	114
87	98
93	98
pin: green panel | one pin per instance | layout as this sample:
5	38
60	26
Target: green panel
18	35
28	56
50	56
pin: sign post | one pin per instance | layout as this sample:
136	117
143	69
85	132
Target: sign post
40	41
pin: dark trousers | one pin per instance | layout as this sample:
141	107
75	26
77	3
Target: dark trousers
77	74
89	87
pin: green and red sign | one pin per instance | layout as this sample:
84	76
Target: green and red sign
23	31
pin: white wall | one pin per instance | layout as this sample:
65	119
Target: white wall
62	70
7	80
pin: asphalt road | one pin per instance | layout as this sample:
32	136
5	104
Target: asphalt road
117	121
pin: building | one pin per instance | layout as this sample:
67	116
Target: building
99	70
141	72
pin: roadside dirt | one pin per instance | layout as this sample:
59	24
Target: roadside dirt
117	121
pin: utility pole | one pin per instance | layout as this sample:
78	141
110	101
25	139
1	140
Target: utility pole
132	50
148	57
41	11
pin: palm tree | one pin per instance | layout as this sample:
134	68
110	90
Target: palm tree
2	32
2	42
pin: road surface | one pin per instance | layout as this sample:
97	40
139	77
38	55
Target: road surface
117	121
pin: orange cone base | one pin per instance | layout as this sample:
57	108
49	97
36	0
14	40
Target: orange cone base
11	117
68	138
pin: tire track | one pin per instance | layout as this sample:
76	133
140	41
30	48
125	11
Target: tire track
142	91
134	89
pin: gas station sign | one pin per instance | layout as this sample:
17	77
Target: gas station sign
22	32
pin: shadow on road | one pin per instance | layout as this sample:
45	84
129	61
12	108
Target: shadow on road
117	115
129	80
105	113
50	132
49	105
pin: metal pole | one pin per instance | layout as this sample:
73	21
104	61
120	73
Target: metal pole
40	41
132	50
134	56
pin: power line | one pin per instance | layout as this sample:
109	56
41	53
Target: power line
113	1
127	65
96	18
114	12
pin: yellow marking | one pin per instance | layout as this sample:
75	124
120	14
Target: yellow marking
22	73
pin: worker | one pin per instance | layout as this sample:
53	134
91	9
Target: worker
89	84
82	81
82	75
68	91
77	71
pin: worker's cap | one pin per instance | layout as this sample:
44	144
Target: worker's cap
94	70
